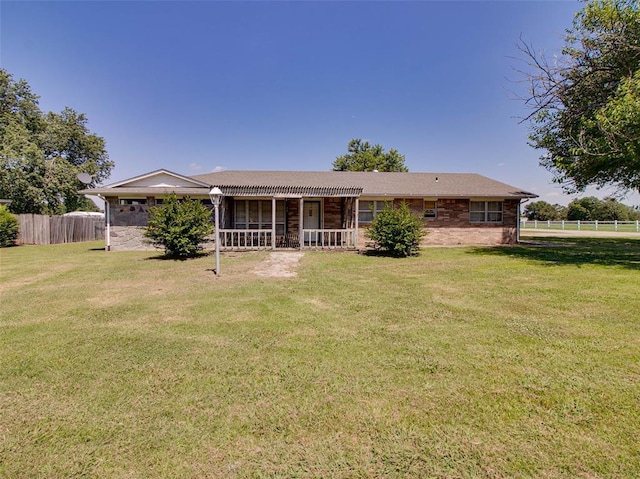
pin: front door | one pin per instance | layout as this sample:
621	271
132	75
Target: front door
311	221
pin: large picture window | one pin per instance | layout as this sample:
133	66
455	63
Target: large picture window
485	212
256	215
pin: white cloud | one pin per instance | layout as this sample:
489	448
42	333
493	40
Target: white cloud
195	167
219	168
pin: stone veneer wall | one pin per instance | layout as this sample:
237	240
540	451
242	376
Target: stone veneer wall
129	238
126	223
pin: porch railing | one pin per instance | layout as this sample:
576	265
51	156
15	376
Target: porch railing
245	239
329	239
231	239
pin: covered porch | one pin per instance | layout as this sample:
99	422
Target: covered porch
253	218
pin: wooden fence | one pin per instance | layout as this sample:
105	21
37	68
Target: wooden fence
42	229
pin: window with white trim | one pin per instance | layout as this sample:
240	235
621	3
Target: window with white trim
133	201
256	215
367	210
485	211
430	210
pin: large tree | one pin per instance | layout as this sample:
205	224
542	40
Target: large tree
361	156
586	103
543	211
41	154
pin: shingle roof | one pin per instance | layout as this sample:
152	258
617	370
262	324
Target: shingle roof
337	183
396	185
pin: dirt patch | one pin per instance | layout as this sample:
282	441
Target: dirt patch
279	265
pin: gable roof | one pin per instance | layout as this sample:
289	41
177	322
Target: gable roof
319	183
152	184
159	179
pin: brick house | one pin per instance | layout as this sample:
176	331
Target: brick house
262	209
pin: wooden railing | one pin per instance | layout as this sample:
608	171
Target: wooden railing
329	239
263	239
245	239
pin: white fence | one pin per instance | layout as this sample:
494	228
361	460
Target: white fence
621	226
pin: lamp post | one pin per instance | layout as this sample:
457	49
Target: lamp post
216	198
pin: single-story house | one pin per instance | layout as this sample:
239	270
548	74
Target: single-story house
319	209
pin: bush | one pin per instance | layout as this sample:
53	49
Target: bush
9	227
397	231
179	226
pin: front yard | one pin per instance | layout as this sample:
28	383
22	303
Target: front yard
462	362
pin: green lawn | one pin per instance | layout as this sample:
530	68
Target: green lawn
462	362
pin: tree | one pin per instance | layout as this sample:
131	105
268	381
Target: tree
42	153
591	208
543	211
9	227
586	104
362	156
179	226
397	231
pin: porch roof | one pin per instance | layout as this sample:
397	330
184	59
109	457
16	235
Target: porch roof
290	191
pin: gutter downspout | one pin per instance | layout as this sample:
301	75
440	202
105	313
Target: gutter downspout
107	217
520	203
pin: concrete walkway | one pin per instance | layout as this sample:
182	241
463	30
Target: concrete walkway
280	265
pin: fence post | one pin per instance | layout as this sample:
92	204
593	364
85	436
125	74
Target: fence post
596	223
615	225
563	224
637	225
535	224
578	224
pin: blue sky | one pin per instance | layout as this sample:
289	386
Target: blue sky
195	85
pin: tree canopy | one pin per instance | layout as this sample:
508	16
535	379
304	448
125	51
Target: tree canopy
588	208
586	103
362	156
543	211
41	154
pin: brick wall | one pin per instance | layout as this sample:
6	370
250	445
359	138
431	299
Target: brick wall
333	213
452	226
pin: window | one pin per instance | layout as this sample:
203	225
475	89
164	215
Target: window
485	212
367	210
133	201
256	215
430	210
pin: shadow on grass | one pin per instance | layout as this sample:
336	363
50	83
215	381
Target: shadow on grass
554	251
164	257
380	253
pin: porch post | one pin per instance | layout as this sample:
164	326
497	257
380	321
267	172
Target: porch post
301	223
273	223
357	209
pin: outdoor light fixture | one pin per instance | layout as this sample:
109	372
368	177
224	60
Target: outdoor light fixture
216	198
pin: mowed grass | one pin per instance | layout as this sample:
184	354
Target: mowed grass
463	362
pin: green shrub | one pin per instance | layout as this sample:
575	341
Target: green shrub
9	227
179	226
397	231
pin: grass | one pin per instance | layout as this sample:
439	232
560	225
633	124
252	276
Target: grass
462	362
